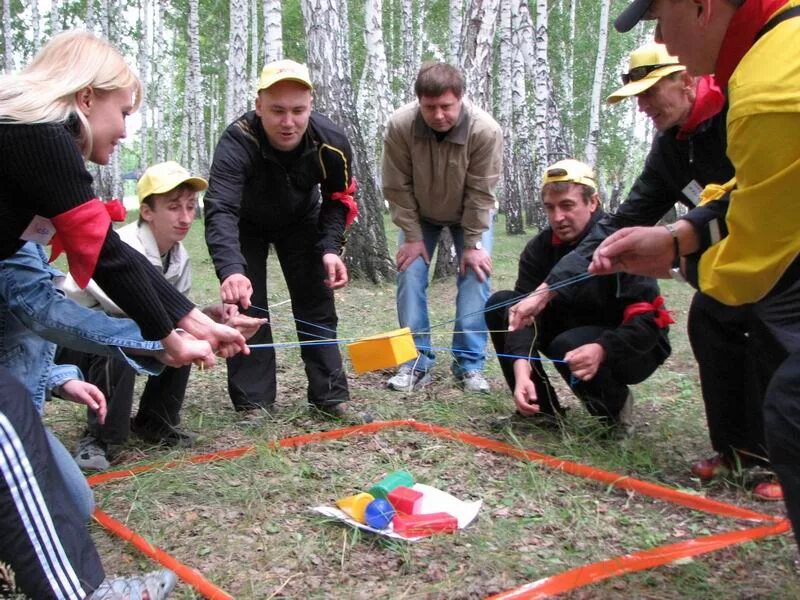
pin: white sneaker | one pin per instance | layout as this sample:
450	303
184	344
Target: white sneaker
157	585
474	381
408	379
91	455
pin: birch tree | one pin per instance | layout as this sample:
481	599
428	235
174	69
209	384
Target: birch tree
328	55
374	96
145	51
55	17
541	95
592	139
455	22
410	61
8	46
198	161
255	54
237	97
273	31
476	50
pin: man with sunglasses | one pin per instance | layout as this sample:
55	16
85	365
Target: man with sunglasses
687	153
751	47
611	333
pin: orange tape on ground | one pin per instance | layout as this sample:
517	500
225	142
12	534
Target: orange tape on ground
562	582
187	574
638	561
653	490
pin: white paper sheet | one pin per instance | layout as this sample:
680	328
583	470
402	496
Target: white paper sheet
433	500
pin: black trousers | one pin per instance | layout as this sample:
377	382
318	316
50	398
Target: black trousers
733	378
603	395
43	537
251	379
776	334
159	406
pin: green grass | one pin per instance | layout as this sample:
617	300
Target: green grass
245	523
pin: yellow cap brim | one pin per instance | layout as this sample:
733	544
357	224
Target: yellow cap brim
634	88
198	184
269	82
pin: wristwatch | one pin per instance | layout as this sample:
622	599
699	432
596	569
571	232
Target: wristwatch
476	246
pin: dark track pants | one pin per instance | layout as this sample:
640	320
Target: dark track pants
159	406
733	378
42	536
604	395
777	335
251	379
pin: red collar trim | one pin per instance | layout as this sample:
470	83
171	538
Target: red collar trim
746	23
708	102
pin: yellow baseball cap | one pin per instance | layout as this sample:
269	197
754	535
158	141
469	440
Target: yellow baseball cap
571	171
164	177
647	65
283	70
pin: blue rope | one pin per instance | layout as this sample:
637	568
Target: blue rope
517	299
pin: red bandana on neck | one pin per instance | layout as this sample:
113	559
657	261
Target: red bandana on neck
708	101
739	38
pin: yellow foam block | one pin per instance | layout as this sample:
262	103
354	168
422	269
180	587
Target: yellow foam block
355	506
382	351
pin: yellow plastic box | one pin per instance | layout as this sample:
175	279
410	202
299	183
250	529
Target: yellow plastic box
382	351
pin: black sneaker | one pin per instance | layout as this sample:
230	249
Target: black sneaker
340	412
172	437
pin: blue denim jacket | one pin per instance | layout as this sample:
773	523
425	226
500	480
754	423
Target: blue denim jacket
31	306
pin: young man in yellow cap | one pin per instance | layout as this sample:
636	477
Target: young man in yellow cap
612	331
282	177
168	199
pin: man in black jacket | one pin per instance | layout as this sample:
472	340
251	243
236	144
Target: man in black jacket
688	153
611	333
269	168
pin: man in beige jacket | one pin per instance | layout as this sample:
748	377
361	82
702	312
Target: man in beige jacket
442	158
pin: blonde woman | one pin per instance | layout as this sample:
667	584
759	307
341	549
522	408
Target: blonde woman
68	105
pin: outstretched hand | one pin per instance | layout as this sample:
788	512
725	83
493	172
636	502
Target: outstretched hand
82	392
645	251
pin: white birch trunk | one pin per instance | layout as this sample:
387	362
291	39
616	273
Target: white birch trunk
476	51
374	95
8	47
55	17
198	158
162	126
410	62
36	28
237	97
541	95
89	19
328	55
593	137
145	51
273	31
255	46
455	20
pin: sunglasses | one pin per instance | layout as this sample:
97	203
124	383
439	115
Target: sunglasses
638	73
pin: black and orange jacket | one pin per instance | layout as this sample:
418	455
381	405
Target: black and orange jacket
249	182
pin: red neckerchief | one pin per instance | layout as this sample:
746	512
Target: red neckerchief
81	233
742	30
662	317
555	240
346	198
708	101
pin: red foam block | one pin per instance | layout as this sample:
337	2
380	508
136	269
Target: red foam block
412	525
405	500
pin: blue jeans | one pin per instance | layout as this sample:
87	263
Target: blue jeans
75	482
469	332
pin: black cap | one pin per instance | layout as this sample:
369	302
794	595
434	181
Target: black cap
629	17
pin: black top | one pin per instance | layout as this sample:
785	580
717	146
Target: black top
599	301
43	173
251	182
671	165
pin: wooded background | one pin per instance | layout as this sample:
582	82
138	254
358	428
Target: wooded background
542	68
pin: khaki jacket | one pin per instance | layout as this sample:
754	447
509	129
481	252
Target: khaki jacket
447	183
